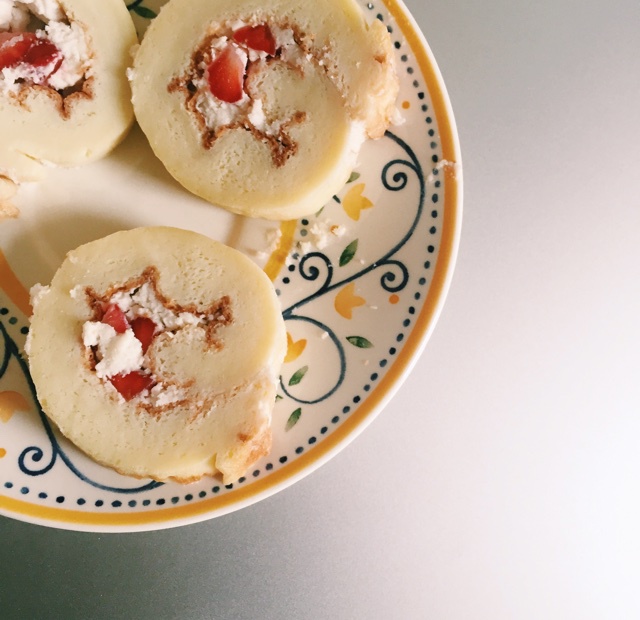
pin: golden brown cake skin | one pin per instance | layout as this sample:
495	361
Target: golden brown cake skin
192	398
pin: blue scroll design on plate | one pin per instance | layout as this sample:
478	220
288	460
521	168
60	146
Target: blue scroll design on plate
138	7
317	266
31	458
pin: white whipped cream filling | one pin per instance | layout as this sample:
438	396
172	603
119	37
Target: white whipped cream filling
144	302
10	77
72	42
290	51
70	39
13	16
16	14
36	293
122	353
217	113
46	10
118	353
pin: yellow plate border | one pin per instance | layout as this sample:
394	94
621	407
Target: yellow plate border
357	420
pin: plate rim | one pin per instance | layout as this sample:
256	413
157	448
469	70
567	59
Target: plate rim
360	418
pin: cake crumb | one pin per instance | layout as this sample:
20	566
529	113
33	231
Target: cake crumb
36	293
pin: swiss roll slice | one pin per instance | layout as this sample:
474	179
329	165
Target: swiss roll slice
261	107
157	352
64	95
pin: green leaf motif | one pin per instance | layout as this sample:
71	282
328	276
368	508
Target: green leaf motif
293	419
278	397
360	341
144	11
354	177
348	253
298	375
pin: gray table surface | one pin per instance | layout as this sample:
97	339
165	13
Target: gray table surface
503	480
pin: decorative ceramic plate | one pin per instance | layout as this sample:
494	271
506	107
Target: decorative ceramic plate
361	285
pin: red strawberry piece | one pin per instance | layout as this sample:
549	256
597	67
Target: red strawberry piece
42	53
7	36
144	330
226	75
26	47
257	38
115	317
131	384
13	47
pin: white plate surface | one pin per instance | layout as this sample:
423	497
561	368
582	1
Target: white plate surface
359	306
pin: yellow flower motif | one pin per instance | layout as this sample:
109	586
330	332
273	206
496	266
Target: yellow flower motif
10	402
354	202
3	453
346	300
294	349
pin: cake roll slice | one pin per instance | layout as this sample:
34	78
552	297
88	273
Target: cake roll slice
157	352
262	107
64	95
